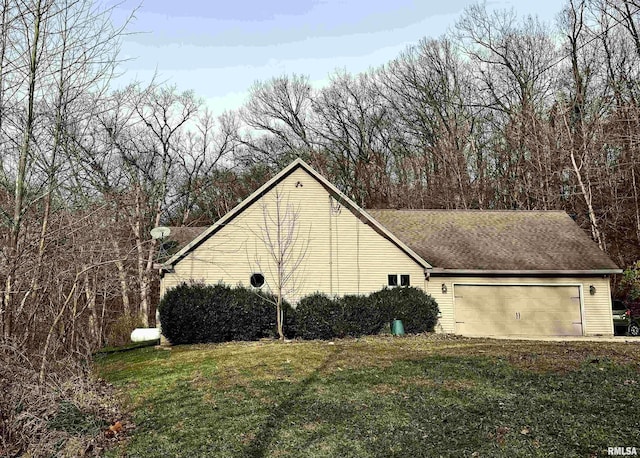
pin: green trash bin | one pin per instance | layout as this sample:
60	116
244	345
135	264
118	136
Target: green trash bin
397	329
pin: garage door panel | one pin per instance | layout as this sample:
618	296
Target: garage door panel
552	326
517	310
479	319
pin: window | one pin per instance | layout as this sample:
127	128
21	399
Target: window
257	280
393	280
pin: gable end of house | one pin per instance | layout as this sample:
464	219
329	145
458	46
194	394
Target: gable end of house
343	200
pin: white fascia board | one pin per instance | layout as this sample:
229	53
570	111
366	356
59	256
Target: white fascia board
480	272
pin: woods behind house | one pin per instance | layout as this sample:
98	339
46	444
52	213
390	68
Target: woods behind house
504	112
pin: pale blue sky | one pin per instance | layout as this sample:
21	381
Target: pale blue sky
219	48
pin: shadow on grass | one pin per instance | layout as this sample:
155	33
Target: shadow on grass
259	447
132	346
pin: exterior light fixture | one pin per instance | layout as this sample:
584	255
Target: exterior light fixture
592	290
444	288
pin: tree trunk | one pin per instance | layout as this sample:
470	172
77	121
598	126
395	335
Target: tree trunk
122	277
20	178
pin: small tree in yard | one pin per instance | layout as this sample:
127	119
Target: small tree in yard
280	235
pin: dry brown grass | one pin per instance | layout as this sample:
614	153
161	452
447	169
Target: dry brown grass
551	356
239	364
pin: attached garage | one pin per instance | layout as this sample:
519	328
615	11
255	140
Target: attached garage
509	273
521	310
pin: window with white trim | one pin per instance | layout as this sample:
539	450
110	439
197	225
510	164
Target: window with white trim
394	280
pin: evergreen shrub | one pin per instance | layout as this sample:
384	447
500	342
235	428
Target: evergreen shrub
198	313
417	309
321	317
359	317
316	316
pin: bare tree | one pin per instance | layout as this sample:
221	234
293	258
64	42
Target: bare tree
53	54
280	234
205	149
352	128
278	109
626	12
425	89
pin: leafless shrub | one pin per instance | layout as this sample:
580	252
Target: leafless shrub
66	415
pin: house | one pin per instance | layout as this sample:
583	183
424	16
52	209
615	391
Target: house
491	272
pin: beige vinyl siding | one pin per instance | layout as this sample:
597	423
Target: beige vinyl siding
344	255
597	319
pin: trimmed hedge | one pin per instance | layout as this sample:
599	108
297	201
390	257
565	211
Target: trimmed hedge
320	317
316	316
360	317
417	309
198	313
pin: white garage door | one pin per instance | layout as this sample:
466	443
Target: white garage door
486	310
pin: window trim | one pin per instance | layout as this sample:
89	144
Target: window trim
398	280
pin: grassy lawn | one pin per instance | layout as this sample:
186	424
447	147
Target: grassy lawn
379	397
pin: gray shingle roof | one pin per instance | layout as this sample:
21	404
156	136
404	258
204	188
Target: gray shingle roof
183	235
495	240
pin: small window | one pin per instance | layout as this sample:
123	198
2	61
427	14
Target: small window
393	279
257	280
404	280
